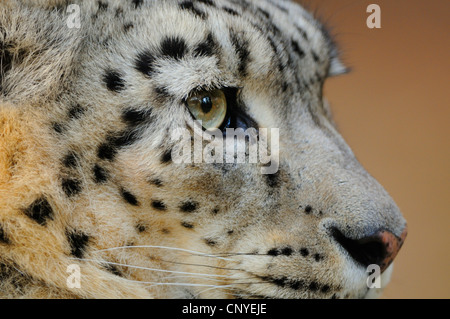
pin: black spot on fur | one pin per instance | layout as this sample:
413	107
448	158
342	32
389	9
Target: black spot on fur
264	13
296	284
137	3
106	151
210	242
125	138
76	111
57	127
325	289
287	251
173	47
113	269
102	6
113	81
280	64
100	174
128	26
145	63
273	252
188	5
162	92
242	51
315	56
304	252
313	286
303	33
280	281
71	187
207	2
141	228
166	157
206	48
284	282
189	207
5	62
136	117
318	257
230	11
297	49
272	180
156	181
215	211
40	211
119	12
308	209
187	225
78	242
70	160
129	198
109	149
158	205
3	238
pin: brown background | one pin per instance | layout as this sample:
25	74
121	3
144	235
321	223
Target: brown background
394	110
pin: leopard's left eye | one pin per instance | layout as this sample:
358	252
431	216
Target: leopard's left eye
210	107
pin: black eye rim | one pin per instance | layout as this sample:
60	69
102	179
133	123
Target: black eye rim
235	117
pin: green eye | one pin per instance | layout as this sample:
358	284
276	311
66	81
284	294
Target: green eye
210	107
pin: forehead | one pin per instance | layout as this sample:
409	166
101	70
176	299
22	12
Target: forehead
180	46
146	23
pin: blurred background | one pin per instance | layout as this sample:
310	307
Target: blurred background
393	109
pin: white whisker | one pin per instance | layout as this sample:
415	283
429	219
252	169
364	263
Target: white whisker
152	269
209	279
178	284
190	277
193	252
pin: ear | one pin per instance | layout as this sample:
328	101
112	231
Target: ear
36	49
337	67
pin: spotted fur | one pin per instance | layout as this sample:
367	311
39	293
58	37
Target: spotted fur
87	175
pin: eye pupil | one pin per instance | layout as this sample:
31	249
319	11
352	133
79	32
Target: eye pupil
209	107
206	104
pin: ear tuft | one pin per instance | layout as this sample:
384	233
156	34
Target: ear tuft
337	67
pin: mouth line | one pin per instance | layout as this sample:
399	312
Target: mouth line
296	284
242	294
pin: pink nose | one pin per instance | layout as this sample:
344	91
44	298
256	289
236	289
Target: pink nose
392	245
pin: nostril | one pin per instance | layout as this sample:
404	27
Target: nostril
379	249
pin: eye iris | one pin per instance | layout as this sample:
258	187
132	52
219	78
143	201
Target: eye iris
206	104
209	107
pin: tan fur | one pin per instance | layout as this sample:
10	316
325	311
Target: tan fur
219	248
